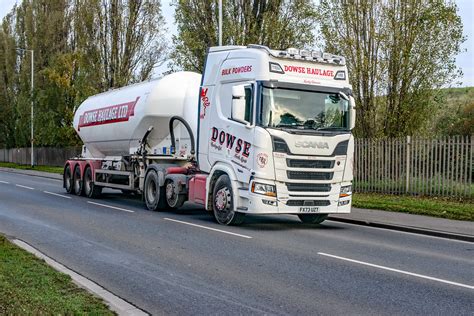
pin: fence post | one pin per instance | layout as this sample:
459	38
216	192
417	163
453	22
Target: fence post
408	149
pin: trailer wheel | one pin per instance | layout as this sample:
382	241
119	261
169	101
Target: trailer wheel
223	203
152	190
90	189
77	181
67	178
173	200
312	218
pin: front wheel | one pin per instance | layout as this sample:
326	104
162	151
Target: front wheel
223	203
312	218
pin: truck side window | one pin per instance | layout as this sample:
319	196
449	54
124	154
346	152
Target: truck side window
248	103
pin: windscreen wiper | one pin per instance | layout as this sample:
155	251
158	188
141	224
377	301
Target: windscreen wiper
330	128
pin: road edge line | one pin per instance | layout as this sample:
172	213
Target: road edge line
408	229
116	304
47	175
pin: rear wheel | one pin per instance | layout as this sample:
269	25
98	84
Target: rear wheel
223	203
67	178
152	190
77	181
173	199
312	218
90	189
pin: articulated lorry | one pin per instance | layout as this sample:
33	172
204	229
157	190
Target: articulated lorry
262	131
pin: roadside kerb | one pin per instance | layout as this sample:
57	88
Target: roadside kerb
408	229
35	173
116	304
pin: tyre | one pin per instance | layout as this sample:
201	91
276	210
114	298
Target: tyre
312	218
77	181
223	203
152	191
90	189
67	178
173	200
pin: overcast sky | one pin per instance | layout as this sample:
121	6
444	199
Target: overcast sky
464	60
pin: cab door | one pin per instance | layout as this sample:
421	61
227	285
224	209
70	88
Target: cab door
237	104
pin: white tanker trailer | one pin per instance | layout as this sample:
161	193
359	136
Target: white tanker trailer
113	123
261	132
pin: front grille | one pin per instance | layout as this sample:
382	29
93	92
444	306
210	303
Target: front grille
308	187
308	203
304	175
315	164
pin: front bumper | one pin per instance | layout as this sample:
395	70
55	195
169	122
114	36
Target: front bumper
285	203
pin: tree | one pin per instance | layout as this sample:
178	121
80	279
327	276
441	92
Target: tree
124	40
278	24
399	53
81	47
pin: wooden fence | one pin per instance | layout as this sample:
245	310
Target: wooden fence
45	156
411	165
414	165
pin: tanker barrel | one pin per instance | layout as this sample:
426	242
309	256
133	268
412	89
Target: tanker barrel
188	128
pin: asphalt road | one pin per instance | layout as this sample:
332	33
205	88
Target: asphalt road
181	262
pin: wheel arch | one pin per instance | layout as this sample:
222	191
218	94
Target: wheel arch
217	170
160	170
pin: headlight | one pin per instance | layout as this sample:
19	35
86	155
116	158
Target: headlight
265	189
346	191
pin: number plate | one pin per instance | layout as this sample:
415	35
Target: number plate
309	209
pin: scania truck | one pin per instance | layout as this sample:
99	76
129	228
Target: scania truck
262	131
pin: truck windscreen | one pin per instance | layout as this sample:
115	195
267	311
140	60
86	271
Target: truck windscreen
299	109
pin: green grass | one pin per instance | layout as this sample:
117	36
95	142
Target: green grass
433	185
58	170
437	207
29	286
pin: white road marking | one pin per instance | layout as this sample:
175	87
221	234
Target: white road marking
24	186
110	206
402	232
4	182
471	287
56	194
208	228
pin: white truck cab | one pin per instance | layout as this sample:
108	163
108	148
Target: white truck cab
278	123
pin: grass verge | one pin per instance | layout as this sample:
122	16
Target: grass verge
432	206
29	286
58	170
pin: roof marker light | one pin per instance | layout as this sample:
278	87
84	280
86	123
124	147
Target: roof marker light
316	54
274	67
292	51
340	75
327	56
305	53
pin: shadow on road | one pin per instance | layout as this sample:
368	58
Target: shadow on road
198	213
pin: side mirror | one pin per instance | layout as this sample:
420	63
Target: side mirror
352	113
238	103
